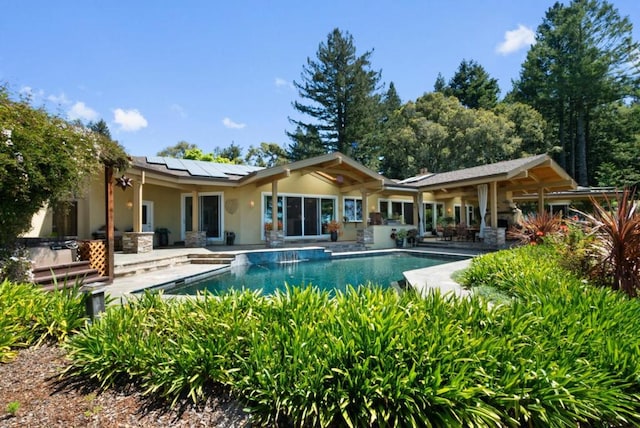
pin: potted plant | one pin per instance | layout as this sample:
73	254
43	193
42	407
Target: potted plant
333	227
163	236
398	236
268	227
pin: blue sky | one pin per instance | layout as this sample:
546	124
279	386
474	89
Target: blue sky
212	73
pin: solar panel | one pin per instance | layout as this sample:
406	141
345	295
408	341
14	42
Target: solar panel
175	164
203	168
210	170
156	159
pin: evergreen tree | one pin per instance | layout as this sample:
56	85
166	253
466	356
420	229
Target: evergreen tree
306	144
100	127
233	153
584	58
440	85
341	90
472	86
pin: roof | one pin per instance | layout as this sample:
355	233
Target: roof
525	175
194	168
532	171
335	168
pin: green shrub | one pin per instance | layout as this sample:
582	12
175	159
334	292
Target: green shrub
31	316
559	354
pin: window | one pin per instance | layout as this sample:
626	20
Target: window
397	210
209	214
299	215
352	209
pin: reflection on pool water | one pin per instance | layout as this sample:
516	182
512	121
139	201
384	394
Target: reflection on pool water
335	274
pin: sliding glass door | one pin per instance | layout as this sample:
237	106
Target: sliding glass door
209	215
301	216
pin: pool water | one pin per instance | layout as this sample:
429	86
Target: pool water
335	274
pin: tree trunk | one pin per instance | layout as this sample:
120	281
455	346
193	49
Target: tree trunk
581	150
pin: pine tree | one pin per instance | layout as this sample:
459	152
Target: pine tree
473	87
584	58
341	90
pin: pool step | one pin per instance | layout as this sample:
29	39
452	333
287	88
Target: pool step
211	259
135	267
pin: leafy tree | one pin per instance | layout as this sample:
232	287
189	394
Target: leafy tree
472	86
341	90
440	134
198	154
177	151
584	57
44	159
529	126
266	155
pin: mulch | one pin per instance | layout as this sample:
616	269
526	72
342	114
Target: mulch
33	381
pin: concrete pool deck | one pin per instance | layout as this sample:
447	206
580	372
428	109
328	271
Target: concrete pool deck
123	286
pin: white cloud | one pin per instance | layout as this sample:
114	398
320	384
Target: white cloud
228	123
82	112
515	40
282	83
59	99
129	120
29	92
177	108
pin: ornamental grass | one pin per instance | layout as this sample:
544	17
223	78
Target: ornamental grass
32	316
559	353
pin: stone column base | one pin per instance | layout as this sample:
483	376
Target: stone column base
365	236
195	239
274	238
494	237
137	242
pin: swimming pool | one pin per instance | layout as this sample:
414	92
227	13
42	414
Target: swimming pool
332	274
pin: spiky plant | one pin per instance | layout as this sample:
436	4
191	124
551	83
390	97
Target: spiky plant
534	228
617	243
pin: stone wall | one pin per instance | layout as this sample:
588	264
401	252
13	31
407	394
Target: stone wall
195	239
365	236
494	237
274	239
137	242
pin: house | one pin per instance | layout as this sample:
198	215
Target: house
198	203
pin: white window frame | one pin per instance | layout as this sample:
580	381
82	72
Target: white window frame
355	200
320	197
390	204
183	202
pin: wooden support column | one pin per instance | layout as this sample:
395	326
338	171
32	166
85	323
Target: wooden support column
274	206
463	212
419	212
493	198
365	207
195	220
137	204
109	221
541	200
